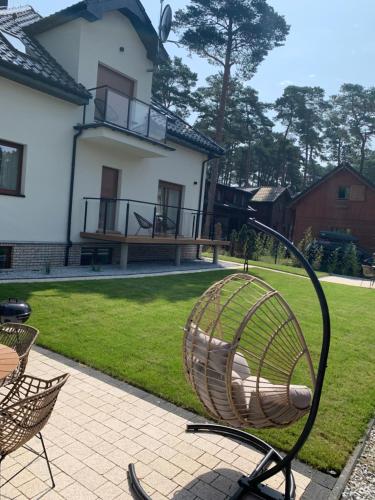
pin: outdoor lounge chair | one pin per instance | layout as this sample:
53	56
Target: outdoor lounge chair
24	412
143	223
19	337
369	273
243	351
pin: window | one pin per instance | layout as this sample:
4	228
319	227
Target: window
10	167
96	256
343	193
5	257
14	41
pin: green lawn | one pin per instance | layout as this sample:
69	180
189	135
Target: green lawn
268	263
132	329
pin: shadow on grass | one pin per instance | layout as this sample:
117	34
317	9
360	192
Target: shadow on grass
172	288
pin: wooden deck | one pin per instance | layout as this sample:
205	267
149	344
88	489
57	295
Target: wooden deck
157	240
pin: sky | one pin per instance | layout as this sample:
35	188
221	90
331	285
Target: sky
331	42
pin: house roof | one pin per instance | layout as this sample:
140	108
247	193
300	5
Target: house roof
36	67
268	194
181	131
93	10
330	174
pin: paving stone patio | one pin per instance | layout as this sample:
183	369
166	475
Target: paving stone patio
100	425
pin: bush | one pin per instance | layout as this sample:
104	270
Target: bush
351	265
334	261
303	246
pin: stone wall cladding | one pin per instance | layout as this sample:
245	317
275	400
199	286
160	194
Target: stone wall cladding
36	256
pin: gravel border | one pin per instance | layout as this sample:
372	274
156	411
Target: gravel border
357	480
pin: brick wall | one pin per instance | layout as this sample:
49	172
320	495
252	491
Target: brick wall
36	256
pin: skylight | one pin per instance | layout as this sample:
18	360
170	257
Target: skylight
15	42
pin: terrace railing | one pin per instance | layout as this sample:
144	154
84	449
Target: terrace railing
115	108
129	217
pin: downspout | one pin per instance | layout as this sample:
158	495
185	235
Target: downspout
204	163
69	243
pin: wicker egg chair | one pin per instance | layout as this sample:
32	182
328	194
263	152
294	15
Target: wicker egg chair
242	346
243	351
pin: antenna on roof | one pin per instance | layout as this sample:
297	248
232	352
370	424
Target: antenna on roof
165	24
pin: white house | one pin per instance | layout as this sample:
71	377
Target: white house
90	167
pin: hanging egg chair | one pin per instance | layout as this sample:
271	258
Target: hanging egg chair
245	356
242	346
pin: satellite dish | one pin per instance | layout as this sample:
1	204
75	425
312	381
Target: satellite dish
165	23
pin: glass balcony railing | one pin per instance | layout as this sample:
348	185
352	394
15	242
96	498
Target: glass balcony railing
115	108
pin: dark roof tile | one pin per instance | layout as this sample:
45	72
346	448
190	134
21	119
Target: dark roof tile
37	63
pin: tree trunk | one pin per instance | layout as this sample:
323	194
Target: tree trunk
281	157
219	133
306	165
339	148
363	154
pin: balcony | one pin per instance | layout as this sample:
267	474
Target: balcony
113	117
133	221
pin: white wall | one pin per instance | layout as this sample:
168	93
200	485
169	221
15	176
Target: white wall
80	45
63	43
139	180
44	125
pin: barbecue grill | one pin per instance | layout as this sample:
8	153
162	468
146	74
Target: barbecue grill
14	311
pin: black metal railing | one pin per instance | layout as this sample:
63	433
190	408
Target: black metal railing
130	217
116	108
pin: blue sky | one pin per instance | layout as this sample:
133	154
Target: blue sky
331	42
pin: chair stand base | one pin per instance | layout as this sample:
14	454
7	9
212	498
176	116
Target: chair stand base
247	484
42	454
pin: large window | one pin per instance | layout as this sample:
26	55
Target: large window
10	167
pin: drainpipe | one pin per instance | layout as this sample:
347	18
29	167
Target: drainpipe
204	163
69	243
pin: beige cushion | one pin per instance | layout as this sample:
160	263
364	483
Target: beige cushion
218	351
271	402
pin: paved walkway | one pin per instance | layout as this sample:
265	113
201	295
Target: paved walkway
134	270
348	280
100	425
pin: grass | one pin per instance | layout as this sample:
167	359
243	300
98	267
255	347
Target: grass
268	263
132	329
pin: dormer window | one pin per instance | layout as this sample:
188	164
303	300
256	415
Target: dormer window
14	41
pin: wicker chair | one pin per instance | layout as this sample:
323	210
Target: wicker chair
242	346
24	411
19	337
244	354
369	273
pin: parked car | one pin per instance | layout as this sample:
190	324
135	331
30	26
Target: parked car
331	240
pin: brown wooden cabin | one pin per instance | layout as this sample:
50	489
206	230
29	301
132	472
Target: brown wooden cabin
271	205
341	201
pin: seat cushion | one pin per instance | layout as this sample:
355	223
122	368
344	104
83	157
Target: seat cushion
218	350
271	404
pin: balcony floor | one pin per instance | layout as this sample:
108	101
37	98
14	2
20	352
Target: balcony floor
157	240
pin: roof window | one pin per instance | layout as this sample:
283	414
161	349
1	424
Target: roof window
14	41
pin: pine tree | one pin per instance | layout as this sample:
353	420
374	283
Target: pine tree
351	265
333	261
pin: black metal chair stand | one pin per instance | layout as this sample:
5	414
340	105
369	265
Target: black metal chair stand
253	483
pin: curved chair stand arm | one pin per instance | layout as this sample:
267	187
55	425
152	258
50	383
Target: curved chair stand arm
263	471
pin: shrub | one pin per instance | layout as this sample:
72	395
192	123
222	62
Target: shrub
334	261
351	265
318	258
